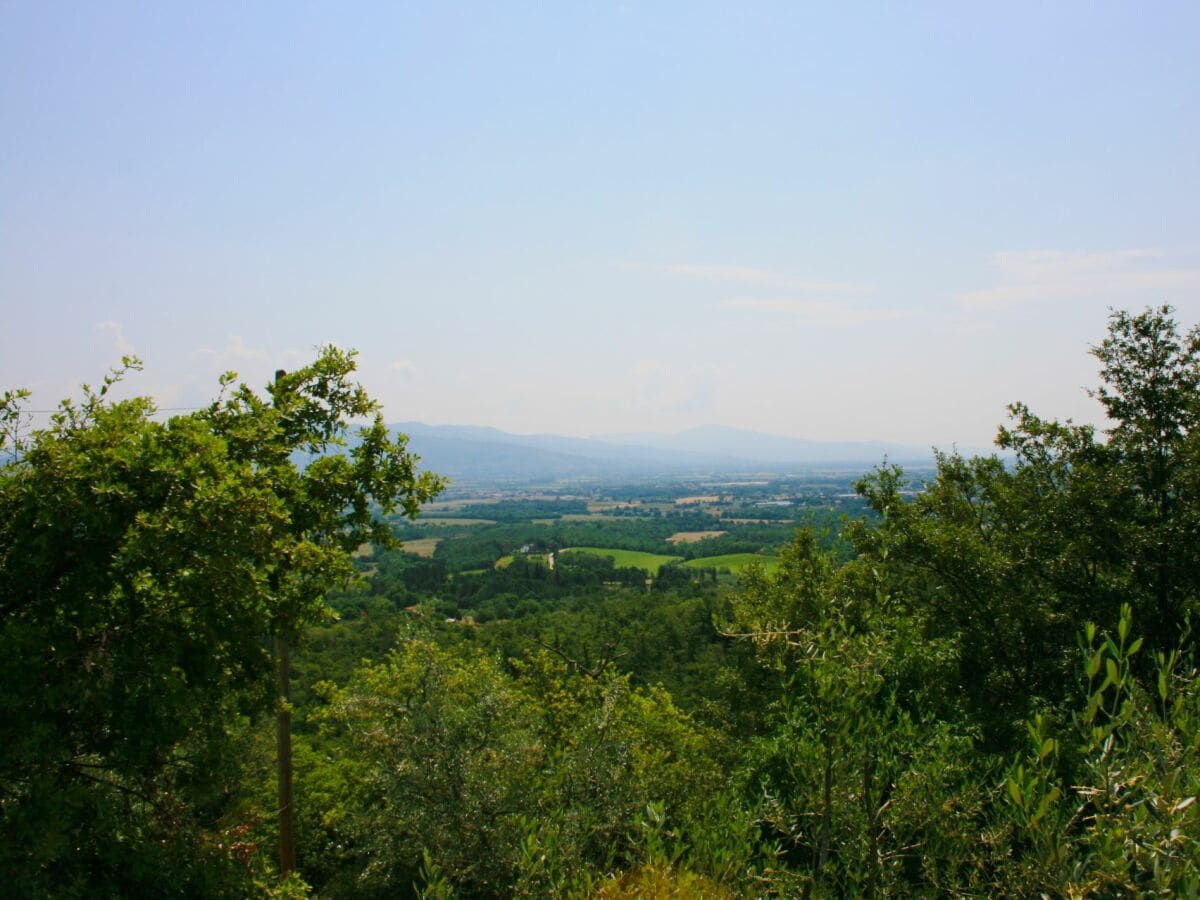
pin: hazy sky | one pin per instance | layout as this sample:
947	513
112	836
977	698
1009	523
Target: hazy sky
841	221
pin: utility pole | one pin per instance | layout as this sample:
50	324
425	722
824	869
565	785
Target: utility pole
283	738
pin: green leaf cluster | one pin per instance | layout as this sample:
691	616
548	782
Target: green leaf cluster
143	565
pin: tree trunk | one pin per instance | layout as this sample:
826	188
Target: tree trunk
283	760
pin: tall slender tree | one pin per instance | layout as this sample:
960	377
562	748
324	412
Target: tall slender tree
142	564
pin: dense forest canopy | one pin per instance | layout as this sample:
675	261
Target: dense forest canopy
984	685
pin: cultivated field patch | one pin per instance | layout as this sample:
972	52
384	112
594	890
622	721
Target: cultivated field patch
635	559
734	562
421	546
542	559
691	537
453	505
449	520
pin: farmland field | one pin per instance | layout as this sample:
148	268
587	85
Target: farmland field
572	517
450	520
734	562
690	537
542	559
636	559
455	505
421	546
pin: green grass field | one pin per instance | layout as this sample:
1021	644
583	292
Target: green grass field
734	562
505	561
450	520
636	559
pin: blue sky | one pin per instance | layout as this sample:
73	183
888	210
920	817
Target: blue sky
846	221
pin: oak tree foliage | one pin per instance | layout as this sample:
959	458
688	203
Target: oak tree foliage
143	565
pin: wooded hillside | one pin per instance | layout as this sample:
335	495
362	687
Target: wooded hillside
983	685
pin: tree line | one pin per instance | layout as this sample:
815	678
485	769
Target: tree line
987	687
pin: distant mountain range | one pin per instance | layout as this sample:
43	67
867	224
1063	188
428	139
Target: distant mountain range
469	453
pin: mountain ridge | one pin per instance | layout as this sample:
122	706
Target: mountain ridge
476	453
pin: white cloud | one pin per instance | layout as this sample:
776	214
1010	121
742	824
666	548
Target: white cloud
116	335
750	275
1033	265
654	386
403	367
814	312
812	301
235	350
1040	276
765	278
254	365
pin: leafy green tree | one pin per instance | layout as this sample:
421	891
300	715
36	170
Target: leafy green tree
1104	804
970	555
1151	392
449	747
1008	557
143	565
856	778
528	785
